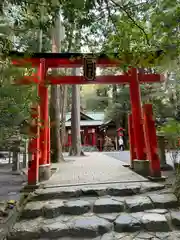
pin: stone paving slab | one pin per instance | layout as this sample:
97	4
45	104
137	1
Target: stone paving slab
118	189
140	203
94	167
175	216
91	226
162	201
128	236
98	205
108	205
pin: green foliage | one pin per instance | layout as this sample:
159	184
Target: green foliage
96	100
5	42
119	104
96	104
165	22
171	128
143	28
129	28
14	100
14	104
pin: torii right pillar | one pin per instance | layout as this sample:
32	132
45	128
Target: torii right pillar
144	164
151	143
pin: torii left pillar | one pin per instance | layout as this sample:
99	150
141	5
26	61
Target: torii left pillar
34	147
44	162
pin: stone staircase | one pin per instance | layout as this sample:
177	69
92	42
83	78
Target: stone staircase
100	212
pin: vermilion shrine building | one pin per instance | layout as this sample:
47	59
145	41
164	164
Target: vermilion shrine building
141	124
94	128
91	134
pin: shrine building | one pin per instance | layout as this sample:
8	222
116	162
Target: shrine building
93	129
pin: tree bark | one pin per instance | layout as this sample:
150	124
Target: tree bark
63	106
75	120
56	147
125	127
114	92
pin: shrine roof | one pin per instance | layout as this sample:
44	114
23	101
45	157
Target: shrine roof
91	116
86	123
99	116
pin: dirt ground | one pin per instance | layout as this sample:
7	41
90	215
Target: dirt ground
10	183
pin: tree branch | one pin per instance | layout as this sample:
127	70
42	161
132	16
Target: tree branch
71	39
109	15
132	20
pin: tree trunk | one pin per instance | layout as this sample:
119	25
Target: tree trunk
56	147
75	120
63	106
124	122
114	92
124	125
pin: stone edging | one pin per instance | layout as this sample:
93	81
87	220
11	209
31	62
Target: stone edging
6	227
26	191
13	216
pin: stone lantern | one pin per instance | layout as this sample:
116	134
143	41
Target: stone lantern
162	152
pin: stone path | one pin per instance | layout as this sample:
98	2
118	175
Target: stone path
124	156
127	211
95	167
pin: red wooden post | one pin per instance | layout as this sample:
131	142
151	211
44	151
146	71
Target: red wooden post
131	139
43	98
85	136
49	146
34	148
151	141
44	121
93	137
69	138
137	115
101	147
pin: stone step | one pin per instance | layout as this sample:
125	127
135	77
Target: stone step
91	226
174	235
98	205
118	189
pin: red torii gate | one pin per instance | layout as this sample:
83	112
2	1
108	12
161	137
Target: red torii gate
142	132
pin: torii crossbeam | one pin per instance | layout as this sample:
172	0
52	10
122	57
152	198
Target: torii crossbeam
140	151
107	79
